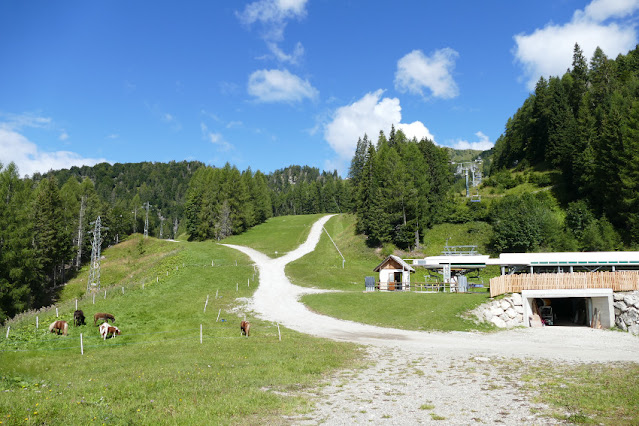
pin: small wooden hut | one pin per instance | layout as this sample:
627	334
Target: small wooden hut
394	274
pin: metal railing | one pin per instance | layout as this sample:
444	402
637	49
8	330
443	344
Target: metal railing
426	287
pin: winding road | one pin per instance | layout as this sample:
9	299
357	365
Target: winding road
277	300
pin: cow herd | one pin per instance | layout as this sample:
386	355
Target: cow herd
105	329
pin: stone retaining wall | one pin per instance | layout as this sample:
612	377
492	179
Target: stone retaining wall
504	313
626	306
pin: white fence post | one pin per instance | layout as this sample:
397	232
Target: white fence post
37	323
76	304
56	313
7	336
81	345
216	292
279	334
218	314
94	298
206	303
105	294
237	287
122	290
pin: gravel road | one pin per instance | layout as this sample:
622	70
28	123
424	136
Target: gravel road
410	371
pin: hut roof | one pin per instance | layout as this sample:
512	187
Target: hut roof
392	258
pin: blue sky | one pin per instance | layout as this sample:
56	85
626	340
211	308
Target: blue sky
270	83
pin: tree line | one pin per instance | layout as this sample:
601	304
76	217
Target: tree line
47	220
400	188
585	124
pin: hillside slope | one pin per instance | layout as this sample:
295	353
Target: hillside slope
157	371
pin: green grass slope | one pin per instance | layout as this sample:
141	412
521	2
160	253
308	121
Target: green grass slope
277	236
157	371
416	311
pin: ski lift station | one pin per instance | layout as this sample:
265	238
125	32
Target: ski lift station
577	283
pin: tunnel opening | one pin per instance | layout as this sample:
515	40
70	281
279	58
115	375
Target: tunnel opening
564	311
570	307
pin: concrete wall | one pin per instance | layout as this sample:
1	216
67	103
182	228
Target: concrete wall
600	299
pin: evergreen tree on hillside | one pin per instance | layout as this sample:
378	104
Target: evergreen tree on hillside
51	238
18	265
401	189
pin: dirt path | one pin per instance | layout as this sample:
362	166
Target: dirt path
443	356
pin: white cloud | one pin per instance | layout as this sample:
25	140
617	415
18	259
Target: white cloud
279	86
416	130
234	124
603	23
416	72
482	144
14	147
368	116
20	121
273	16
600	10
63	136
272	11
215	138
293	58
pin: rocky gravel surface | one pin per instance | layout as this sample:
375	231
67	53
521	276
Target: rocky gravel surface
399	388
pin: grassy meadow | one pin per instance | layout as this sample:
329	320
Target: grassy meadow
157	371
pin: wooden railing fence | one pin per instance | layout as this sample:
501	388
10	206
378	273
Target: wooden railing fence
617	281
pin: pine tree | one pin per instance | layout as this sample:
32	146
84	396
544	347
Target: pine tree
18	266
52	240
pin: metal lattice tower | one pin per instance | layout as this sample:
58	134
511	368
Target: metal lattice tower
94	267
146	219
472	168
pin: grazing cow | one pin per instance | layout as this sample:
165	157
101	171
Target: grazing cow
78	318
104	316
245	328
106	329
58	327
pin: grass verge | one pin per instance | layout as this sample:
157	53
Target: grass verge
592	393
409	311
